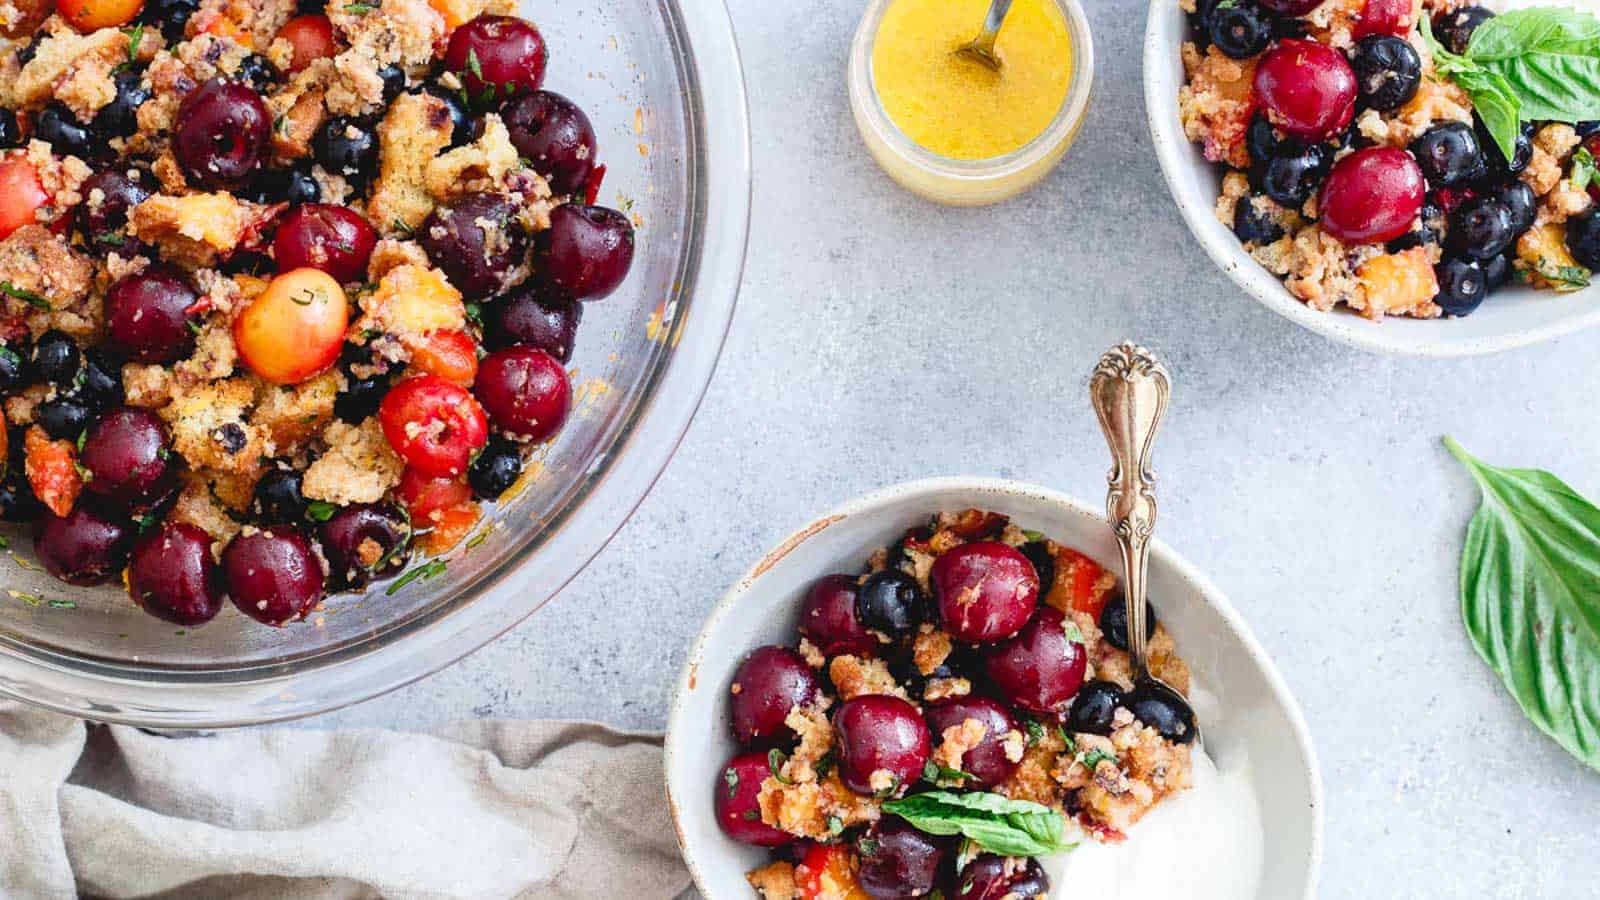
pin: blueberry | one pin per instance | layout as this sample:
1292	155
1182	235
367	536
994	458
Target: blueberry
495	470
119	118
1388	71
1524	206
1462	286
1449	154
26	52
56	357
1114	622
171	16
1291	177
1157	706
890	602
63	418
1585	129
278	499
1038	553
394	81
1583	239
1454	30
10	130
1496	272
1093	708
1240	31
462	133
1495	160
296	185
1254	226
13	367
1262	140
58	127
100	380
1480	229
257	71
348	147
360	399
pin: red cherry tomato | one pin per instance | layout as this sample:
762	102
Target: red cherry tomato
312	39
451	355
434	425
427	497
21	194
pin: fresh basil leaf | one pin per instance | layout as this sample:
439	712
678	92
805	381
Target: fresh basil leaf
1553	87
1498	104
1584	169
1528	573
995	823
1537	29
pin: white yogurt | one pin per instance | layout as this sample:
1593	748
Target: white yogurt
1202	844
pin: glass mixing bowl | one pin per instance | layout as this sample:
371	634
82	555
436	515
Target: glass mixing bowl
663	84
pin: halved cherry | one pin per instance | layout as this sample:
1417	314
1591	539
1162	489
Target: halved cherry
1392	17
1372	195
93	15
312	39
434	425
426	497
295	329
21	194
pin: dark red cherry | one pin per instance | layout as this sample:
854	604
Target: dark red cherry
478	241
108	197
335	239
769	684
525	392
555	137
1373	195
148	315
828	618
1307	88
882	742
987	761
991	877
735	795
497	57
172	575
898	862
533	318
273	576
363	541
587	251
986	591
126	457
1042	667
221	135
84	548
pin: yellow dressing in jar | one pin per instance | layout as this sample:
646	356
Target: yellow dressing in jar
955	106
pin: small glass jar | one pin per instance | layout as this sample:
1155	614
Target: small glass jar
967	182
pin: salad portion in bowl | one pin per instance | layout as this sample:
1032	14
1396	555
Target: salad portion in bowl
1400	158
953	714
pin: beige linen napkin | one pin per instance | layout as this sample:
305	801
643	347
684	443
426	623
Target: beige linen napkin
476	810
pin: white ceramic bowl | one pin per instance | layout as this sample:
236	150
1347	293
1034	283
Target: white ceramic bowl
1514	317
1258	716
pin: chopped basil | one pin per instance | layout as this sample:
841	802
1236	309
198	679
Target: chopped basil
321	510
731	776
775	760
933	772
28	297
423	572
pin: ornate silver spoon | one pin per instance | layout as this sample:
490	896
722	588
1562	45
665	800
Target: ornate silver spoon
1130	390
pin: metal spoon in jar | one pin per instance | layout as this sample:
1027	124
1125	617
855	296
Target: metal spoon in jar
1130	390
981	47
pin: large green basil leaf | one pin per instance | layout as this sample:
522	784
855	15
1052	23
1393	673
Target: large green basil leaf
1536	30
1553	87
1530	598
995	823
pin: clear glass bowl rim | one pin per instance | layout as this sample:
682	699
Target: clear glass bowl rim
710	66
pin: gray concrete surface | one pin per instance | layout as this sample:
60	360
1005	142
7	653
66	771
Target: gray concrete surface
882	339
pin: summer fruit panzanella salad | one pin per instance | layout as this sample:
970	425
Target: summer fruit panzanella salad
1401	157
287	290
962	707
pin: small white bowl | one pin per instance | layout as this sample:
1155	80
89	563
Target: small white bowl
1515	316
1258	717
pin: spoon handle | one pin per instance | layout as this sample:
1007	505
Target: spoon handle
1130	390
997	17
